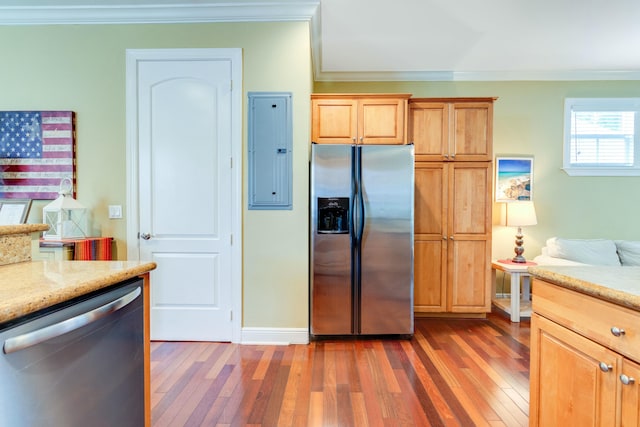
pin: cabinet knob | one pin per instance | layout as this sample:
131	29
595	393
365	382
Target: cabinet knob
626	380
604	367
617	332
145	236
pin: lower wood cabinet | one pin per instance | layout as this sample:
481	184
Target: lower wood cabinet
581	374
452	248
572	389
630	394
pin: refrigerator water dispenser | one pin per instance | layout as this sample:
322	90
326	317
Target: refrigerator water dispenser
333	215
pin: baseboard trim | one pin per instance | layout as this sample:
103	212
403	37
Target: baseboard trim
275	336
452	315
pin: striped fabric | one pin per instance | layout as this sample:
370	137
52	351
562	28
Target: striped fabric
93	249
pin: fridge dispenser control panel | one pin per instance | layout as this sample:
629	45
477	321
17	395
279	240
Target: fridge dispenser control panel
333	215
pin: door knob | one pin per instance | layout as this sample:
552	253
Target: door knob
145	236
618	332
605	367
627	380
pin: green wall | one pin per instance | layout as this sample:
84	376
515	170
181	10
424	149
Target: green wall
82	68
528	120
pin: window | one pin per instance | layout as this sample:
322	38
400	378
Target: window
601	136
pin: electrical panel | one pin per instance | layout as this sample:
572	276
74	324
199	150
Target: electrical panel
270	142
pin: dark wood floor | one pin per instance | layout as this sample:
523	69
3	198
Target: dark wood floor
453	372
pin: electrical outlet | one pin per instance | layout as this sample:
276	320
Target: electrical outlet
115	211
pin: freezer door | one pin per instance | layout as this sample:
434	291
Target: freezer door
331	299
386	263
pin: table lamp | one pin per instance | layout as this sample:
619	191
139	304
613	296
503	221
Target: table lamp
519	214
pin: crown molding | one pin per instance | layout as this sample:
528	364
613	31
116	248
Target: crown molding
256	10
320	75
269	11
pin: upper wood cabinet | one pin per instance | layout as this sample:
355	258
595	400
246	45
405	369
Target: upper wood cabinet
451	129
359	118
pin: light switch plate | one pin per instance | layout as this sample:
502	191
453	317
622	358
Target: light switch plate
115	211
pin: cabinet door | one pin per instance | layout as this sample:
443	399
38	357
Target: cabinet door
428	130
334	121
430	247
630	402
469	228
452	237
382	121
568	387
472	131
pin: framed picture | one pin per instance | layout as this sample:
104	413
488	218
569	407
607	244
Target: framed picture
14	211
37	151
514	179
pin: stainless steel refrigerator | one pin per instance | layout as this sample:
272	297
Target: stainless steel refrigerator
361	240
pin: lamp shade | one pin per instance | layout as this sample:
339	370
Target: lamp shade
518	214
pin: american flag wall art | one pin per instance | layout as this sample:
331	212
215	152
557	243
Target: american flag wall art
37	150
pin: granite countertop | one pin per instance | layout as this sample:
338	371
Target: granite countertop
22	228
619	285
27	287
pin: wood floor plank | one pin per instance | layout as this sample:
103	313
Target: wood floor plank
411	401
433	401
293	387
263	363
276	395
329	385
452	372
221	361
359	410
302	404
316	409
241	399
201	413
382	356
371	402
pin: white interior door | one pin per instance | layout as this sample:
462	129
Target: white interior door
186	183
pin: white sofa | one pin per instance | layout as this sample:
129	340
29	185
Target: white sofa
561	251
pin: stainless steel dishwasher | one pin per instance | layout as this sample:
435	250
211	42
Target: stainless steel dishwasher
76	364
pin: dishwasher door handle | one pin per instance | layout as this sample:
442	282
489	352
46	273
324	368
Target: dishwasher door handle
30	339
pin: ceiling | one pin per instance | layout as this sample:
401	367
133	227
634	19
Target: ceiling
406	39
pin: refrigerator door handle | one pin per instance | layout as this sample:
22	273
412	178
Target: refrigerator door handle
354	193
359	195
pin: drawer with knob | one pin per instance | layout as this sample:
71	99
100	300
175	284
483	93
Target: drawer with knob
609	324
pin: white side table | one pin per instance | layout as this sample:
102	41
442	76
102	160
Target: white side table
518	305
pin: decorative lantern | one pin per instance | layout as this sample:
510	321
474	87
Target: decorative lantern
66	218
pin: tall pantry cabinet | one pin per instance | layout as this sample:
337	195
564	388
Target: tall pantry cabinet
453	200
